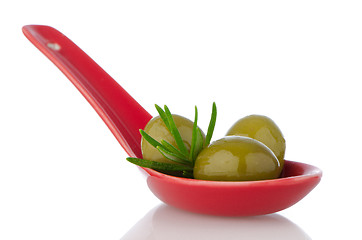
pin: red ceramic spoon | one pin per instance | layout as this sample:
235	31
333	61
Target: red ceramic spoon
124	116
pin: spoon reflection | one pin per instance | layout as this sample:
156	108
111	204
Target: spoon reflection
165	223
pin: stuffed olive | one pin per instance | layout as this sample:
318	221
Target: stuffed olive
263	129
157	129
236	158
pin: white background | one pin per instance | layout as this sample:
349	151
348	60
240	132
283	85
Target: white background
64	176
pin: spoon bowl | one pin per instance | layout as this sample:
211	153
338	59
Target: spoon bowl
124	117
243	198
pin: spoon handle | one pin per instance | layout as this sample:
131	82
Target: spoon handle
121	113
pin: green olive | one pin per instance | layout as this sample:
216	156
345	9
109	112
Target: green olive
236	158
157	129
262	129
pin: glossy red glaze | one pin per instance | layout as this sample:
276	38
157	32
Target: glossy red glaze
124	117
122	114
236	198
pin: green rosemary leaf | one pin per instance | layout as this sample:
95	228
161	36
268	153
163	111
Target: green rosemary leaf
211	127
150	139
158	165
199	145
179	157
171	156
174	131
194	137
171	148
163	116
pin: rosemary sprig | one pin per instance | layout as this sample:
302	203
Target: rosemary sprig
173	149
172	156
159	165
197	141
212	123
162	115
194	136
165	149
176	134
179	154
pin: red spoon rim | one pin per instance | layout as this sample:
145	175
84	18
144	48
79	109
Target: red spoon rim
304	171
